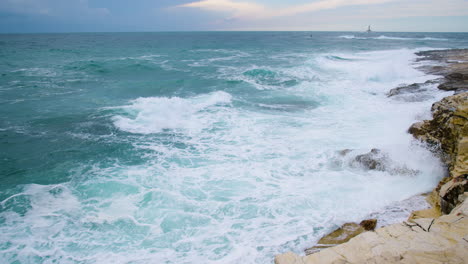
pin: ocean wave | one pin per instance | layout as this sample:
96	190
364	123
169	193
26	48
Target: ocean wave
383	37
154	114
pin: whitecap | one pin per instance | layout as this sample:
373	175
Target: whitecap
154	114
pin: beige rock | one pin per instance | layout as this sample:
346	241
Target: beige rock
449	130
342	235
426	240
427	213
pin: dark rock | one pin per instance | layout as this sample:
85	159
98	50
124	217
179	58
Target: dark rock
434	81
451	191
457	76
379	161
454	86
374	160
369	224
412	88
344	152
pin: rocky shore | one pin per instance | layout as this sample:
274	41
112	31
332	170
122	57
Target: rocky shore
435	235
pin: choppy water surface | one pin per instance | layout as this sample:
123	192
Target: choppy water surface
201	147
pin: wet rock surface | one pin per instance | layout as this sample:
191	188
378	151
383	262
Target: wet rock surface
416	92
458	87
454	68
375	160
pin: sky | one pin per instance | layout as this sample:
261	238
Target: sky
21	16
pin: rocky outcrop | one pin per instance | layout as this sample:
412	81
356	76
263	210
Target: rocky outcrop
448	130
456	81
343	235
416	92
422	240
412	88
453	61
377	160
455	69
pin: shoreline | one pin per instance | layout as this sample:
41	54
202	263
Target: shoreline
446	135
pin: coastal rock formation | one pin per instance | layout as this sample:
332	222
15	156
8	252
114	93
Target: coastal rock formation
342	235
412	88
456	81
415	92
423	240
448	130
374	160
453	61
377	160
455	69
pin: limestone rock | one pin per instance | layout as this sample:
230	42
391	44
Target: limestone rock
425	240
450	192
343	235
449	130
427	213
339	236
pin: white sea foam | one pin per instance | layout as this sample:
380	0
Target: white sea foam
37	72
152	115
234	184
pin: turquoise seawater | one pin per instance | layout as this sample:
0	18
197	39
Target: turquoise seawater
202	147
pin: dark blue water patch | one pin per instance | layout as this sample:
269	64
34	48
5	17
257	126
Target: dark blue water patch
338	58
116	67
46	149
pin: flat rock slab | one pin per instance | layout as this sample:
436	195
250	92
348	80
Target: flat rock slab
424	240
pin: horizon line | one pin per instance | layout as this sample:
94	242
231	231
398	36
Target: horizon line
219	31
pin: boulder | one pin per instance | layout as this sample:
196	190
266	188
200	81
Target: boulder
378	160
374	160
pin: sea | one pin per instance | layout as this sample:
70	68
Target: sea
205	147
